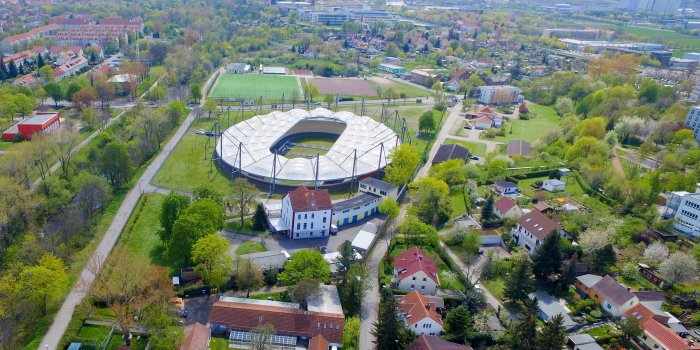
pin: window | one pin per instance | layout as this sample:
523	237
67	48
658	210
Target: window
383	193
424	279
414	278
422	287
298	225
306	216
324	220
304	226
312	225
413	286
298	216
312	215
416	325
609	306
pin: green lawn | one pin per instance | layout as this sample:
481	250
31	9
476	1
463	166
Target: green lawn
252	86
218	343
276	296
410	90
475	148
249	247
457	198
140	236
495	286
301	148
95	334
247	229
543	119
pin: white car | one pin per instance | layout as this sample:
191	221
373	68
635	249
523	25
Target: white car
200	132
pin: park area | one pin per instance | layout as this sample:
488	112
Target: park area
252	86
343	86
541	121
410	91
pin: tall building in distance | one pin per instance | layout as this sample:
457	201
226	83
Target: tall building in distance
661	7
693	121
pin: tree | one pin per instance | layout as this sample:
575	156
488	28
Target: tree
487	210
259	218
552	336
305	264
196	92
522	335
679	267
656	251
437	86
211	259
262	341
201	218
303	290
42	285
431	200
457	325
426	123
126	283
41	95
243	197
25	104
519	284
404	161
210	106
392	50
451	171
206	191
604	258
351	333
88	117
104	89
64	141
347	257
390	208
115	164
630	328
389	331
173	204
329	99
496	168
40	153
55	91
416	232
547	259
248	276
46	72
92	193
594	127
353	291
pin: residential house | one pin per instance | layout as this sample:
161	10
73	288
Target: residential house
415	271
197	337
613	297
543	207
70	68
419	314
506	208
28	80
379	188
553	185
518	148
657	336
497	80
39	50
505	188
548	307
532	229
447	152
307	213
13	43
484	122
582	342
432	342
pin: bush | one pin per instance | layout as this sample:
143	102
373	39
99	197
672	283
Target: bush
695	318
597	313
590	319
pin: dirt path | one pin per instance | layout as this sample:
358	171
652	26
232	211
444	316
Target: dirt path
616	162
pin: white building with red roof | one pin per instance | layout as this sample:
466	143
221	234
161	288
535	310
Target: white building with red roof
307	213
420	315
415	271
506	208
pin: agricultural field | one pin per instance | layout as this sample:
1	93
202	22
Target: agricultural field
252	86
343	86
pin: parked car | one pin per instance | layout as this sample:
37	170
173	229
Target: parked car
200	132
334	230
474	158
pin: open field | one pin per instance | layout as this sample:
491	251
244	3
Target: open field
475	148
343	86
249	247
410	90
543	119
252	86
301	148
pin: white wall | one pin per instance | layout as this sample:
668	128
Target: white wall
308	224
426	326
524	238
368	208
688	215
427	287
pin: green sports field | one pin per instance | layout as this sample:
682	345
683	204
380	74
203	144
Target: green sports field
252	86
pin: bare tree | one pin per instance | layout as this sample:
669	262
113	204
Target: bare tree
127	283
64	142
244	196
41	150
262	340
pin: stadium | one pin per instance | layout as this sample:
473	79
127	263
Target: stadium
319	148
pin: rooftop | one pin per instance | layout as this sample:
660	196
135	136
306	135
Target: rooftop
196	337
414	260
664	336
356	201
538	224
382	185
363	240
432	342
519	147
415	307
447	152
589	280
612	291
504	204
504	183
551	307
304	199
327	302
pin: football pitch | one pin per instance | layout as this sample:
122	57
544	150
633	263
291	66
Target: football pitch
252	86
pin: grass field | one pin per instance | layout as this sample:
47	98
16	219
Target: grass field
301	150
252	86
545	118
249	247
411	91
475	148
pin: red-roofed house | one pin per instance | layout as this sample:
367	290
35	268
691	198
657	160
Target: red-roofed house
431	342
532	229
415	271
25	80
307	213
657	336
419	314
196	337
506	208
39	50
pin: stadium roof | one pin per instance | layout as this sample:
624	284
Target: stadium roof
371	140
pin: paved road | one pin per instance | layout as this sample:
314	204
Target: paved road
452	118
370	303
80	289
634	157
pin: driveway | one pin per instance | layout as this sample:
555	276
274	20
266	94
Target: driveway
198	309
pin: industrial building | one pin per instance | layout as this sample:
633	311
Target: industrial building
40	122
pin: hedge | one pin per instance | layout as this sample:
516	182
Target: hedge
590	191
